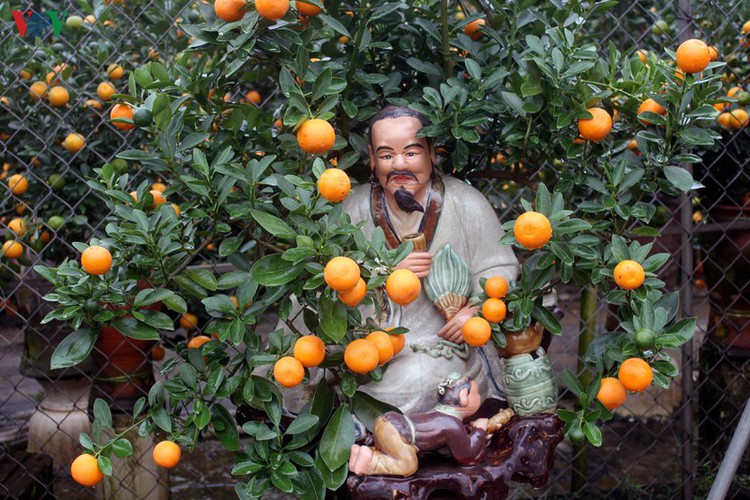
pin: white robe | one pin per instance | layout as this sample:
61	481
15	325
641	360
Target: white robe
470	225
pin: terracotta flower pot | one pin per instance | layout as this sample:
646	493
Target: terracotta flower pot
123	371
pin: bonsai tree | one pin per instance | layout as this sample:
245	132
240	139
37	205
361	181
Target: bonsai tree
252	128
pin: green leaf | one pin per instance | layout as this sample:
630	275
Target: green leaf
74	348
367	408
122	448
424	66
273	270
131	327
150	296
302	423
161	419
593	434
232	279
105	465
572	382
515	103
203	277
333	479
102	414
259	431
273	225
230	245
225	427
332	318
547	319
679	178
157	319
337	438
335	25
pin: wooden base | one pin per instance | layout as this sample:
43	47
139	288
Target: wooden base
522	451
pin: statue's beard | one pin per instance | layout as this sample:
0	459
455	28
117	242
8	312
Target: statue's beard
406	201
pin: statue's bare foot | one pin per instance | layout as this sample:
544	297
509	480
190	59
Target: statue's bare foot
353	454
359	462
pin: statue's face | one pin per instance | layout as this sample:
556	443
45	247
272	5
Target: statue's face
398	158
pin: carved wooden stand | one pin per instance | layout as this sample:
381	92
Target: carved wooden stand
522	451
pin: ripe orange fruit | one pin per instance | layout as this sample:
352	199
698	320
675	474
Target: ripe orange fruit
189	321
334	185
122	111
157	353
721	106
115	71
159	186
166	454
254	97
611	393
496	287
383	344
18	184
734	91
652	106
352	297
629	275
12	249
158	198
532	230
398	341
18	226
198	341
725	120
476	331
310	350
494	310
596	128
73	143
472	29
58	96
738	118
341	274
93	103
288	371
361	356
38	90
713	52
96	260
643	54
307	9
693	56
272	9
635	374
85	470
176	208
105	91
278	123
316	136
403	287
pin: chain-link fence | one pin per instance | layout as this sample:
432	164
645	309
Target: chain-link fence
661	444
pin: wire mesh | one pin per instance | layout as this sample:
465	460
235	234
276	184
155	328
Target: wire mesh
640	445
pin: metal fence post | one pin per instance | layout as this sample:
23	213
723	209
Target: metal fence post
687	261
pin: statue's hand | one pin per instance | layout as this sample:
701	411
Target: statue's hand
452	329
417	262
480	423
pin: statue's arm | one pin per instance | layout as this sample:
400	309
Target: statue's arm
488	257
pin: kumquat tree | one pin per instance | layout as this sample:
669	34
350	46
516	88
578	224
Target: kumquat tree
257	132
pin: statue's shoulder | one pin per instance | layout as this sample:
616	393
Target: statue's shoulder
462	195
358	196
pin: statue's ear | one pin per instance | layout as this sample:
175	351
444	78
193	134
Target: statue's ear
372	158
463	397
